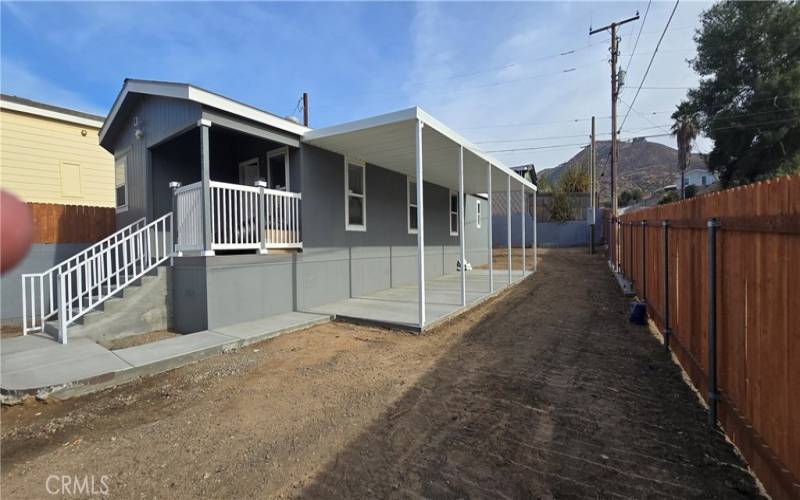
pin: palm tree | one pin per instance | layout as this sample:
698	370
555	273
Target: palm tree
685	129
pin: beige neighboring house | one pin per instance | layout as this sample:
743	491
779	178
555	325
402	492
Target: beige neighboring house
50	154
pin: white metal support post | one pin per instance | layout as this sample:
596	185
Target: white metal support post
62	308
508	225
461	225
489	212
205	167
420	228
262	217
522	191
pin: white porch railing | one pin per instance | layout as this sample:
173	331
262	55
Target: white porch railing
88	282
189	217
242	217
39	290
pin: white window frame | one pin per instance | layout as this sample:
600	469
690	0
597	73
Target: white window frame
124	158
450	212
409	181
355	227
277	152
478	214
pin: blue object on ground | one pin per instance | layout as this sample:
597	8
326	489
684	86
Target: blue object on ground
638	313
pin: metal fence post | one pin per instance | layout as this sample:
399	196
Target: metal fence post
667	331
713	396
262	219
644	260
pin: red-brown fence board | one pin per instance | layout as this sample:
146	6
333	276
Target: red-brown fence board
758	290
71	223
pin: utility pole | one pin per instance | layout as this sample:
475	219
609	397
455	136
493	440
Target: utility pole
305	109
614	95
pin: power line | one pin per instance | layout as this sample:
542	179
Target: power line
641	27
647	71
536	138
581	144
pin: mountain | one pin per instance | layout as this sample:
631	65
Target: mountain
644	165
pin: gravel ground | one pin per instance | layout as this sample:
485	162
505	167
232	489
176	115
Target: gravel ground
543	392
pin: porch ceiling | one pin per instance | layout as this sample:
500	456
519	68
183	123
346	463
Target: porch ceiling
389	141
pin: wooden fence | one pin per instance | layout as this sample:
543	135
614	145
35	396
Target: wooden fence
757	294
71	223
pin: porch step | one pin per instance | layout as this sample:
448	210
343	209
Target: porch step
141	307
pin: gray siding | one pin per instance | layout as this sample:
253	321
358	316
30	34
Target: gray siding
160	118
336	264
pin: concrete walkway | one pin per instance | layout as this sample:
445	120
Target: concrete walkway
397	306
36	362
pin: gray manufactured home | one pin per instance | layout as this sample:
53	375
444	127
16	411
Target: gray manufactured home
254	215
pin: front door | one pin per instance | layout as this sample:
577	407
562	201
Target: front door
278	169
248	172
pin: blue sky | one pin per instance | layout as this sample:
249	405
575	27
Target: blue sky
506	75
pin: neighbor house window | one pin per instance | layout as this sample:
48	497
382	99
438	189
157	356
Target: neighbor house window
121	178
453	214
411	198
355	200
478	214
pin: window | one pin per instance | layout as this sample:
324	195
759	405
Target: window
355	199
71	180
453	214
121	182
411	198
278	169
478	214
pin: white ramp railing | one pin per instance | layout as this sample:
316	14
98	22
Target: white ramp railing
39	290
241	216
88	282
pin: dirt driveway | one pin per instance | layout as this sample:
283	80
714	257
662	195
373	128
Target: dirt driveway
545	391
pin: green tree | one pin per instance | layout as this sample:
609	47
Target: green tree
685	129
690	192
629	196
669	197
748	54
574	180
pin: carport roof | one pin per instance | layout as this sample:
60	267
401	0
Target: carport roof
389	141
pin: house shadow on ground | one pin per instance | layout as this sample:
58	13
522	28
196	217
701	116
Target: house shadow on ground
551	394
